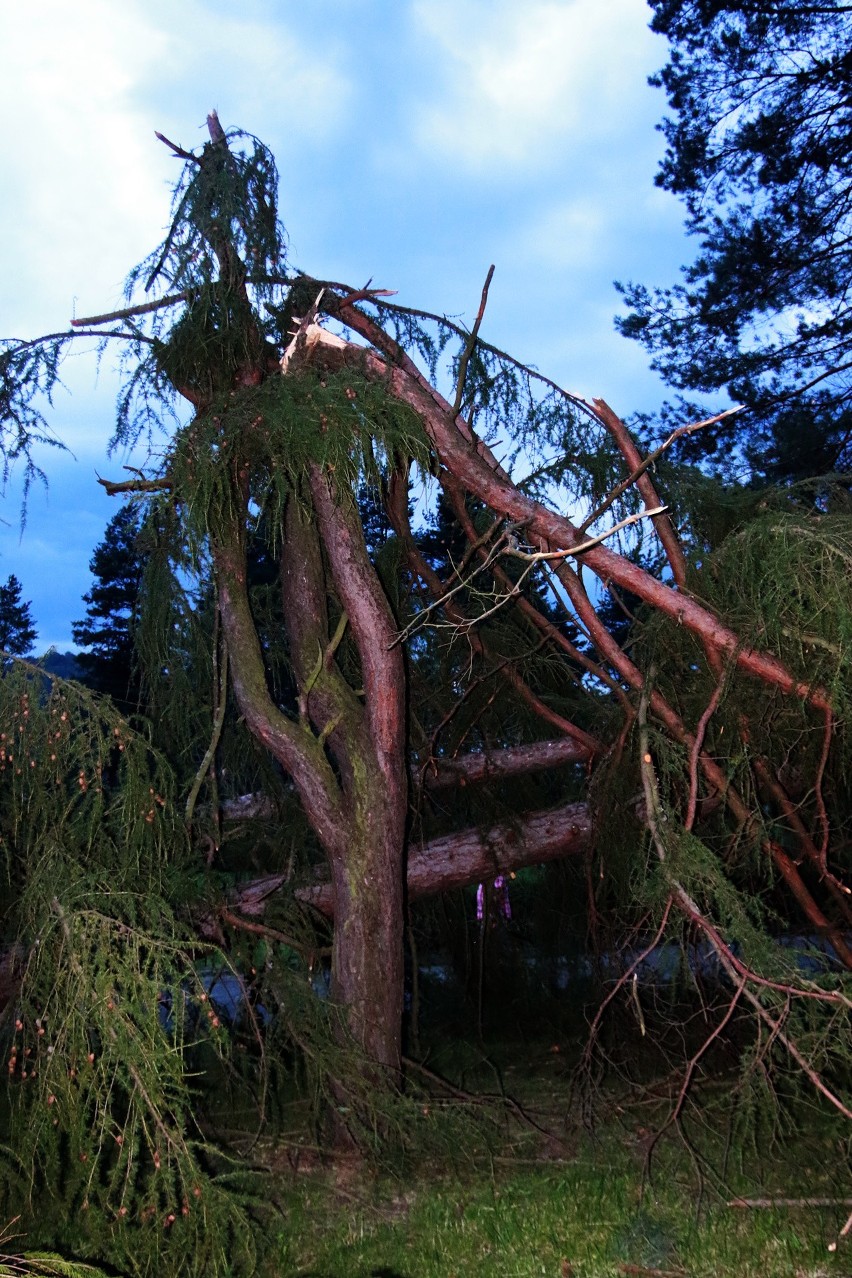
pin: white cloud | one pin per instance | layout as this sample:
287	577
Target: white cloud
82	89
522	79
83	178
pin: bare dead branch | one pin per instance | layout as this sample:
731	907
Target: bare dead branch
128	312
471	342
177	150
116	488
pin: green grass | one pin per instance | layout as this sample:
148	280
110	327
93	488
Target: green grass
552	1221
582	1206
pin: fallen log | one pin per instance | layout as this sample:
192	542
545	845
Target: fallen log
453	860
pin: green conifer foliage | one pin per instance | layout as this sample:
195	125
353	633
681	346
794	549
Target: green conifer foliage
112	610
758	150
93	850
17	632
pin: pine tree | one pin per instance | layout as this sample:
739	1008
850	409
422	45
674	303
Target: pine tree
111	613
17	632
758	150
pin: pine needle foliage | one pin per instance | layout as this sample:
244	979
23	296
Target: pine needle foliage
29	374
94	856
780	576
343	421
232	200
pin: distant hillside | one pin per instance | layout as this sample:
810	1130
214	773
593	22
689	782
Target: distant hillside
62	664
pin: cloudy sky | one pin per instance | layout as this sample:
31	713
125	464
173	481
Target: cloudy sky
417	140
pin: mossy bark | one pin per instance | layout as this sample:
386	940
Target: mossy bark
346	749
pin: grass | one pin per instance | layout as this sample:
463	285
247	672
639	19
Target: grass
578	1204
559	1185
583	1220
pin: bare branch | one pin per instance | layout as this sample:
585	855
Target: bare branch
178	150
127	312
471	342
606	415
115	489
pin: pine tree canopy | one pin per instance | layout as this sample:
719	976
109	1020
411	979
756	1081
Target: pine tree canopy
17	632
112	608
759	143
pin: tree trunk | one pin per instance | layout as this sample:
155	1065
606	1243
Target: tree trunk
345	755
367	950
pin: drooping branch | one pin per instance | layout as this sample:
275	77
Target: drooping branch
740	975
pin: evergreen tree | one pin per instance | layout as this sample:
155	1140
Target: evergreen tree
758	149
17	632
362	673
112	608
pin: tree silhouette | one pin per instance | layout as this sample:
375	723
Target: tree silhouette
17	632
112	610
758	149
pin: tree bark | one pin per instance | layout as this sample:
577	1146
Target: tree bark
358	807
490	765
455	860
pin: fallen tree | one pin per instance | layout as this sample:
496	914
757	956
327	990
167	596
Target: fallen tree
303	641
451	862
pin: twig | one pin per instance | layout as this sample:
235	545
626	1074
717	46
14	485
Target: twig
818	795
625	977
696	751
273	933
178	150
693	1061
789	1202
653	457
652	1273
664	527
421	620
471	343
114	488
545	556
220	679
729	962
127	312
530	558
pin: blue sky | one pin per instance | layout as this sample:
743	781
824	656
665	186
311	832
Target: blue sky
417	140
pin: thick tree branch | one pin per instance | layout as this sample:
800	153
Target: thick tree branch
473	464
294	746
492	765
370	619
473	855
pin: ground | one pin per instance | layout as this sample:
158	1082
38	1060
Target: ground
552	1187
